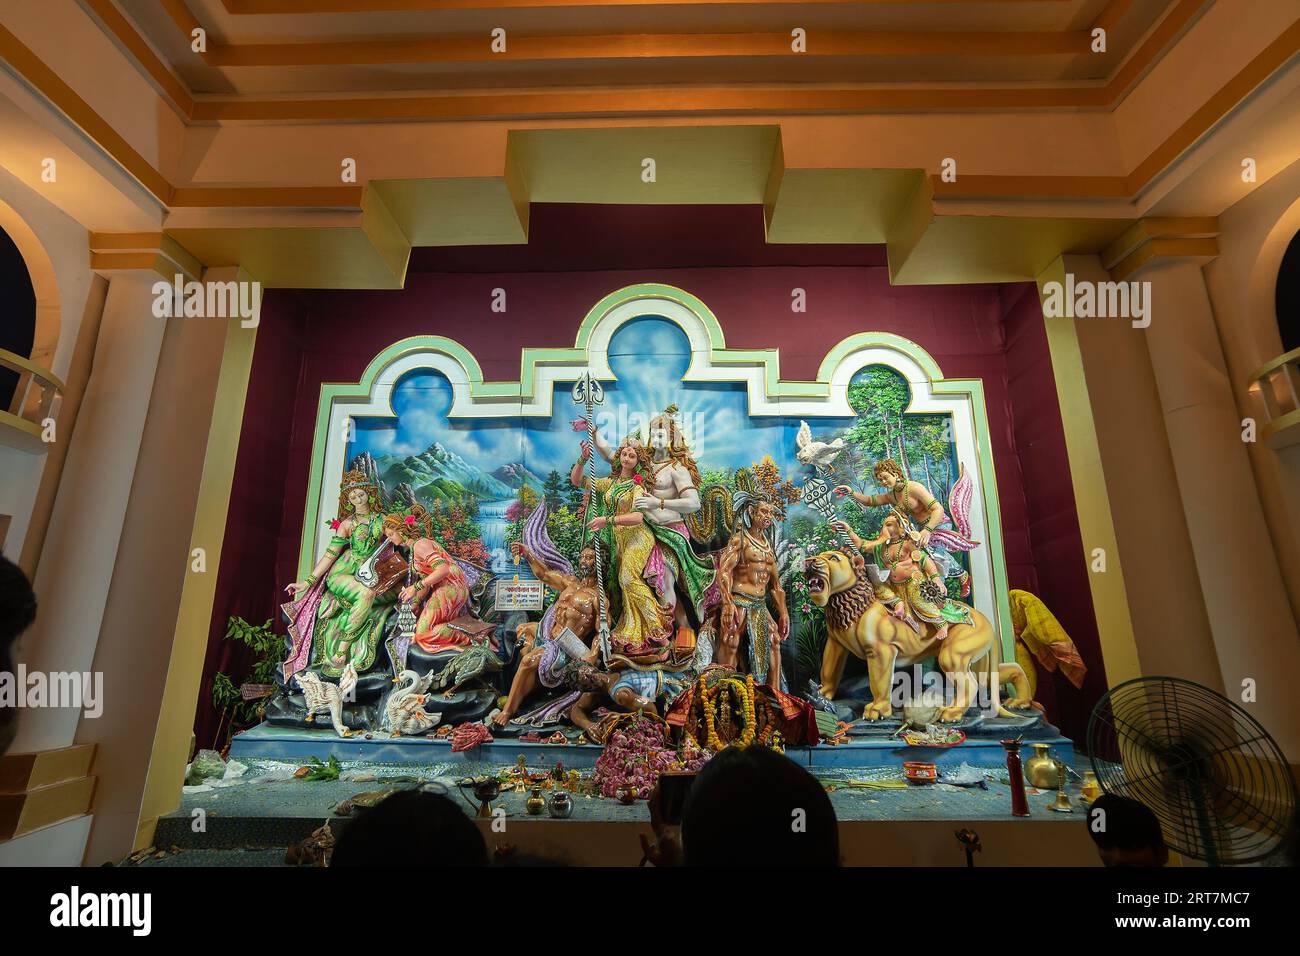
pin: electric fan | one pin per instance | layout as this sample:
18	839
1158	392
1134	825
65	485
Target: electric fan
1216	780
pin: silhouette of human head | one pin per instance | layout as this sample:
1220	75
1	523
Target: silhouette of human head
752	806
1126	832
411	827
17	611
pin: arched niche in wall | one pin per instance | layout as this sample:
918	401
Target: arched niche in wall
27	274
1278	255
1286	295
18	330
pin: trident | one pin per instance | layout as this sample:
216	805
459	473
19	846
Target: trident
817	495
588	392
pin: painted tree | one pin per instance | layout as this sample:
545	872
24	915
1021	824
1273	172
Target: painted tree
553	490
879	398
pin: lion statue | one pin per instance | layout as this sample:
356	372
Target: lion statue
860	624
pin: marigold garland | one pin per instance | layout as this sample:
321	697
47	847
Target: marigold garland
717	699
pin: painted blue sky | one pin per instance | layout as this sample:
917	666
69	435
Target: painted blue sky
649	356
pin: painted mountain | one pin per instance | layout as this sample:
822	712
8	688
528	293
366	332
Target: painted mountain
516	475
438	472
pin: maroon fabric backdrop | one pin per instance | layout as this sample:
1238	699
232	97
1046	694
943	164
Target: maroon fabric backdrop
991	332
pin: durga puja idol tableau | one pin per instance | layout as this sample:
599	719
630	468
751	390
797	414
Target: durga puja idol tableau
653	537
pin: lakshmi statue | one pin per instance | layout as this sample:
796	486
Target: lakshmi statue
335	619
440	589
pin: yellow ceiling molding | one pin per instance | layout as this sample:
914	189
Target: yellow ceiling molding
177	93
1202	250
838	205
298	197
29	66
332	249
691	164
1145	230
142	250
965	249
472	211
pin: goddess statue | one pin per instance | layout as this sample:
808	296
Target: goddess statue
668	493
335	619
643	633
914	589
441	590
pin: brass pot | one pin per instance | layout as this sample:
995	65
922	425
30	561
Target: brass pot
1042	770
536	803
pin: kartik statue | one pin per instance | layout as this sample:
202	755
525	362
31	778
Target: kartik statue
922	516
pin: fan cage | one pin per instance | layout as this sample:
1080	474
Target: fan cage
1217	782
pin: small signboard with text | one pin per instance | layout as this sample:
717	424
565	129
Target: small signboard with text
519	595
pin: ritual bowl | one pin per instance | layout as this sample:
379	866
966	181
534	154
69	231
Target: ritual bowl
917	772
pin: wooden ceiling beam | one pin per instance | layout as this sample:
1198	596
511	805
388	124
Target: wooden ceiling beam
274	7
523	47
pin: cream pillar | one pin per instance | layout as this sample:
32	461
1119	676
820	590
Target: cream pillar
158	558
1254	631
90	508
1150	616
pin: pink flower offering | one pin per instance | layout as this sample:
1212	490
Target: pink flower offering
410	521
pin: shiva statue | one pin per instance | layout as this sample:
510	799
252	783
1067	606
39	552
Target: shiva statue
334	619
667	498
747	575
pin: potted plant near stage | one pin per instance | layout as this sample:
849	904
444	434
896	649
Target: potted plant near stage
242	705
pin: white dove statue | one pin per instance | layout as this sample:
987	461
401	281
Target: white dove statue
819	454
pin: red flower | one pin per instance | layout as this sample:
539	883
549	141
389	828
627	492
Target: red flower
410	521
334	525
637	479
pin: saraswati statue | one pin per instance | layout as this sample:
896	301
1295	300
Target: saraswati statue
335	618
